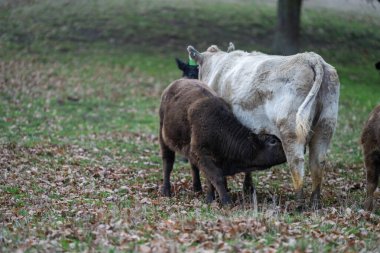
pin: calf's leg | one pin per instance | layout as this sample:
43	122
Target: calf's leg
210	195
372	164
168	157
248	187
197	186
215	176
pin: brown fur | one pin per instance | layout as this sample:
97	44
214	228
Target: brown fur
370	141
201	126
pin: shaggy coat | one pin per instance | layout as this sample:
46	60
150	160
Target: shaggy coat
292	97
370	141
191	72
201	126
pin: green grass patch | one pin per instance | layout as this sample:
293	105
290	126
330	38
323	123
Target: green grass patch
80	85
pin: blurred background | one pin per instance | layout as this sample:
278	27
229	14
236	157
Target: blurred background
102	65
96	66
80	86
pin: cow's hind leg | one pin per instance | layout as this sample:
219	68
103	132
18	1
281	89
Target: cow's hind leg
318	146
297	170
294	151
372	164
168	157
197	186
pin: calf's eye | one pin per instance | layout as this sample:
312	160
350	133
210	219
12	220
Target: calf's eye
272	141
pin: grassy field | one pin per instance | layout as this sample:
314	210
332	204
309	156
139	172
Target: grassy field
80	83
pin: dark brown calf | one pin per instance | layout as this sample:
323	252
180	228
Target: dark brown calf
198	124
370	141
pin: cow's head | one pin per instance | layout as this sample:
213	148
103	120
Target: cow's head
189	70
199	57
377	65
204	59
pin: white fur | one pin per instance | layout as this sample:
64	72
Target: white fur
296	84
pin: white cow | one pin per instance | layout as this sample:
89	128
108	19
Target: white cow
293	97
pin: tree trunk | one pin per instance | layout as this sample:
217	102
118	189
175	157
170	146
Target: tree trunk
286	40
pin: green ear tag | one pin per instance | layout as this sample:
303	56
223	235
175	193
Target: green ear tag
192	62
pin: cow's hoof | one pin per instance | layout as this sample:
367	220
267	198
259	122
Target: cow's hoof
368	204
165	191
315	204
300	206
315	201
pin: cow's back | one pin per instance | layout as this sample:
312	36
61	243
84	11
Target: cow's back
261	88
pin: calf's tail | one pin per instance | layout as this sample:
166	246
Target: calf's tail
304	111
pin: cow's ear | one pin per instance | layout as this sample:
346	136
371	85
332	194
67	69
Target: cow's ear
194	54
180	64
231	47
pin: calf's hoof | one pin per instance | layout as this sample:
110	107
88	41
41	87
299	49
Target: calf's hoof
165	191
248	190
197	188
225	201
210	197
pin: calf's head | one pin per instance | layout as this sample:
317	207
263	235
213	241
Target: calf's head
268	151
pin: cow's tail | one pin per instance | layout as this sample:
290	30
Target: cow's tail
304	111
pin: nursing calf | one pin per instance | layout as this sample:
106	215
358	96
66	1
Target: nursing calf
370	141
198	124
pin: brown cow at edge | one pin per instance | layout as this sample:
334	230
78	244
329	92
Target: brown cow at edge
198	124
370	141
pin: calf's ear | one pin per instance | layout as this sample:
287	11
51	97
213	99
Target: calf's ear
194	54
180	64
